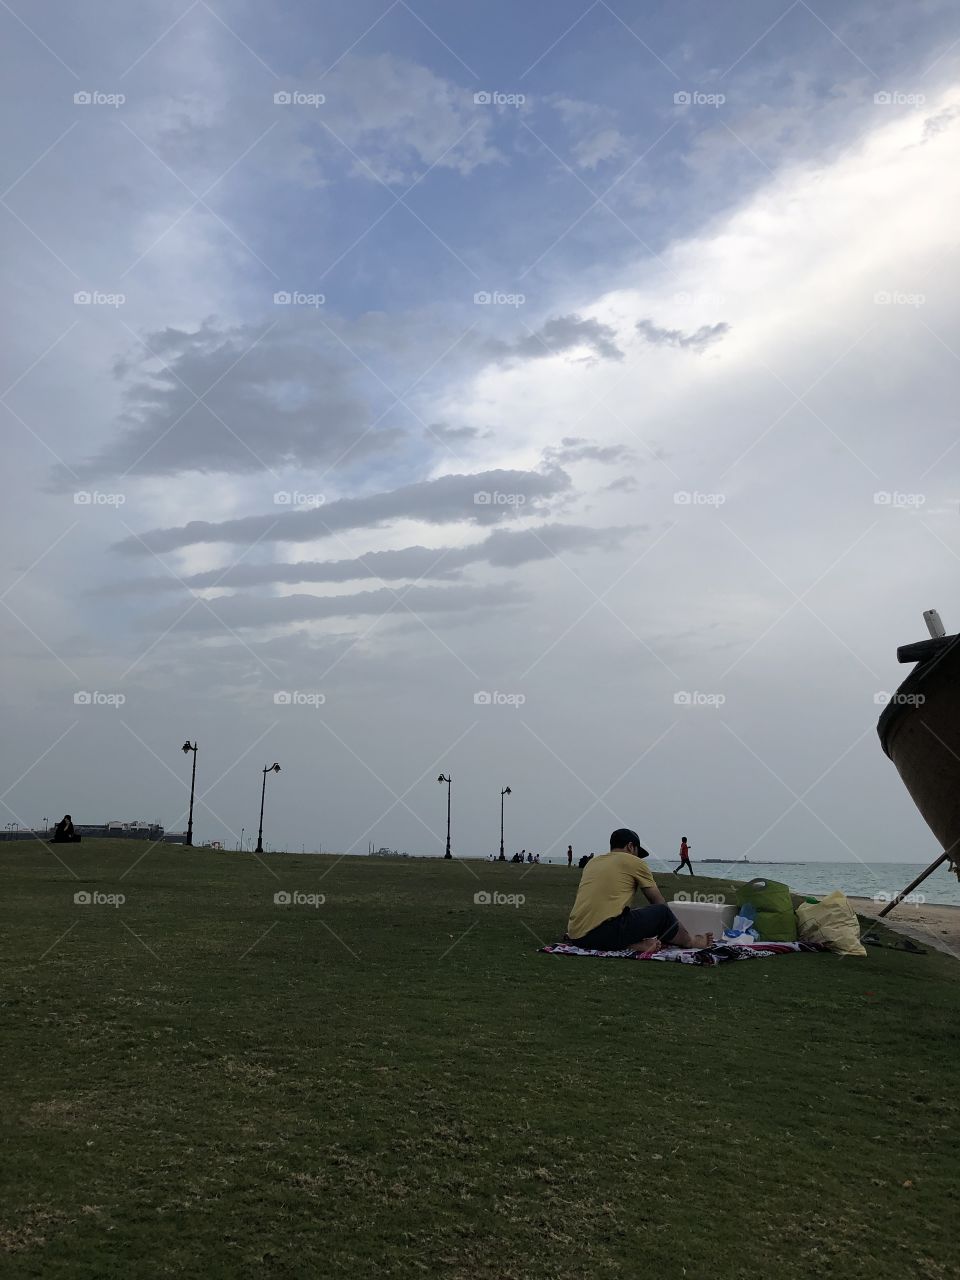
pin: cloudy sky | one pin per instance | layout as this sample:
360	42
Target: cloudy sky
560	396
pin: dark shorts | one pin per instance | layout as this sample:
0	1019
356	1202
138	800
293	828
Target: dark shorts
632	925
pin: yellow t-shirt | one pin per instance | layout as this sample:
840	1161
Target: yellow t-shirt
607	885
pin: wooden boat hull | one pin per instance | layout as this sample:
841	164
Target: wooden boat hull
920	731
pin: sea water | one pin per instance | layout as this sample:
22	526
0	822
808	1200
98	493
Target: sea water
879	880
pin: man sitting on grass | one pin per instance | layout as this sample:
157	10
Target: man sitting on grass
602	918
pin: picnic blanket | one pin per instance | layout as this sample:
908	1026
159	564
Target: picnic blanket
719	953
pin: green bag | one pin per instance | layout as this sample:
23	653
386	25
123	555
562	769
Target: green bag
775	919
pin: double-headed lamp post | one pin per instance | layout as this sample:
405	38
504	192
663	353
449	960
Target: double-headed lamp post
445	777
193	782
267	768
504	792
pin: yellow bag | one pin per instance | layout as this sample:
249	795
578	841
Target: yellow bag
833	922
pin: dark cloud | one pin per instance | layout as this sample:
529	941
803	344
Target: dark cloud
484	498
504	547
695	341
508	548
557	335
291	391
239	611
574	449
453	435
270	395
940	122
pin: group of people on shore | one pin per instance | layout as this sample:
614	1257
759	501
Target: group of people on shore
523	857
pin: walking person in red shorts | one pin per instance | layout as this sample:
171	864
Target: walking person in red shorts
684	857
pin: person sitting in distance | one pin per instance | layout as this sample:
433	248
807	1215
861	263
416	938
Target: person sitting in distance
602	918
63	832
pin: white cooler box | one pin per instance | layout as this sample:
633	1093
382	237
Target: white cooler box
704	917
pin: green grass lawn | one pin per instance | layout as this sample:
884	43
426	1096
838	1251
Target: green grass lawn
202	1083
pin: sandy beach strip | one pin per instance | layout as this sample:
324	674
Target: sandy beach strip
928	924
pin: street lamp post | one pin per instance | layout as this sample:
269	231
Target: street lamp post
504	792
193	782
242	829
445	777
268	768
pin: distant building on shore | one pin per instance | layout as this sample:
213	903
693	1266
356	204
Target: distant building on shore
114	829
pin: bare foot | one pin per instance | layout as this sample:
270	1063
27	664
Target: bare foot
648	946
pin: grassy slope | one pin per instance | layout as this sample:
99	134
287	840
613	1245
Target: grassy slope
398	1081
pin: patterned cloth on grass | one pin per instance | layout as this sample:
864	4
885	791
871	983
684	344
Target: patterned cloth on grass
719	953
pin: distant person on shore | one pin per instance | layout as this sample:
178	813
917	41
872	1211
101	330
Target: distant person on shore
63	832
569	855
684	857
536	857
602	918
